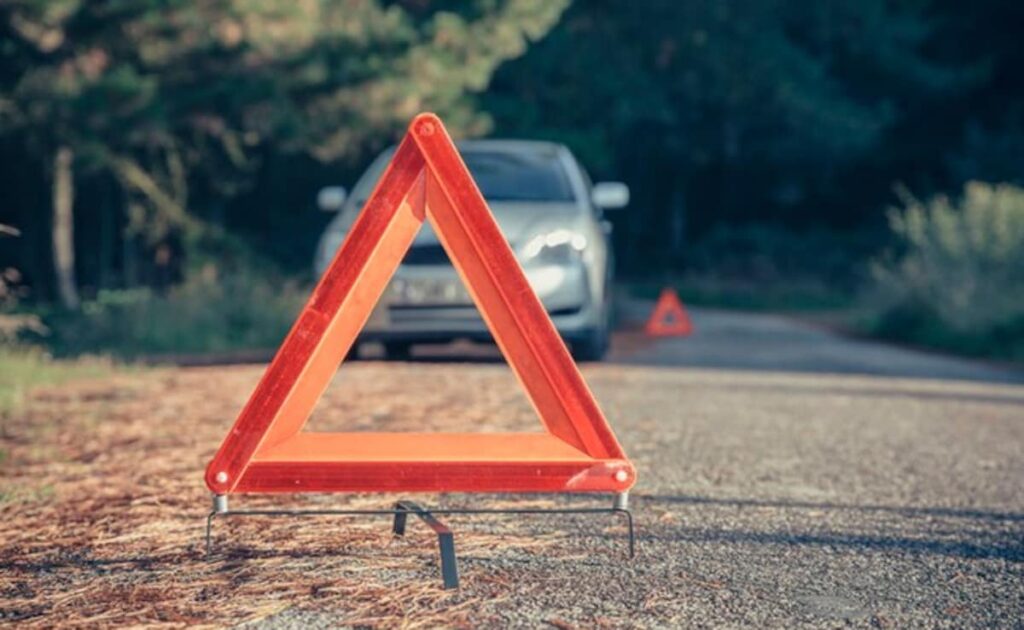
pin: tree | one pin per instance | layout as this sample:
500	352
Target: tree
177	100
720	111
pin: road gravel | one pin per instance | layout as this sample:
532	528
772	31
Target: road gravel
789	477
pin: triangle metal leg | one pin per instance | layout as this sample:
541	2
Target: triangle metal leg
401	512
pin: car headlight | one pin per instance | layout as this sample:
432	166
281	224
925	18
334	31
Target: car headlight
559	247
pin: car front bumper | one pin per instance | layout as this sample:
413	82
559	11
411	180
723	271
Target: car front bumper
563	290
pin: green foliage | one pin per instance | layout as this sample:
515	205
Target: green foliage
209	312
725	81
209	83
772	253
958	281
769	267
724	112
202	130
991	153
796	295
177	102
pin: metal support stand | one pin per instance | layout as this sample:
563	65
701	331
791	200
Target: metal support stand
401	511
445	539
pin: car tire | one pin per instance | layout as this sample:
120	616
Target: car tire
397	350
592	346
355	352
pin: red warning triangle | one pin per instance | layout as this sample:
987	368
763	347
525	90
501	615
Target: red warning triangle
669	318
266	450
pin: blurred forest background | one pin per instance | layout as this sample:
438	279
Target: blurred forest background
161	158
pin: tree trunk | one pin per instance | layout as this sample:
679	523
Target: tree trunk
64	228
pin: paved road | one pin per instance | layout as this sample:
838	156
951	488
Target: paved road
788	478
752	341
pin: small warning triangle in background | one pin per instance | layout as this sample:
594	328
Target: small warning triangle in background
266	449
669	318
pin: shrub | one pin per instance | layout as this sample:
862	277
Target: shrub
764	252
956	280
768	267
209	312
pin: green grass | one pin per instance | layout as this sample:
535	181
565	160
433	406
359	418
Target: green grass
20	494
23	368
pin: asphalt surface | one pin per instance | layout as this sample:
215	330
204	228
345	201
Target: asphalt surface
776	343
788	478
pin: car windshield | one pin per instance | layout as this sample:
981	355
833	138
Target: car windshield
520	176
534	175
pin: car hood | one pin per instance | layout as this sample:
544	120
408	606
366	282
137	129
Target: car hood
518	220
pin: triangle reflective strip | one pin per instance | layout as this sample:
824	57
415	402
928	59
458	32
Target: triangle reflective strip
266	450
669	318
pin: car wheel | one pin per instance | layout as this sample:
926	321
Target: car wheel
592	346
397	350
355	352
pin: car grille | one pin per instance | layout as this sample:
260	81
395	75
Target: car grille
426	255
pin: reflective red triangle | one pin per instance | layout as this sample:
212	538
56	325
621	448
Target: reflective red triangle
266	450
669	318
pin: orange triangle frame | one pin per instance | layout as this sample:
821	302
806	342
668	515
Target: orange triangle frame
266	450
669	318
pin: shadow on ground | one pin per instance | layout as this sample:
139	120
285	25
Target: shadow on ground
987	542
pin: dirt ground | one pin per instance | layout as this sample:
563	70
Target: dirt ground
104	518
765	500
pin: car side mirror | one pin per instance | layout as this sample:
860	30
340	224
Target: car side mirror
331	198
610	195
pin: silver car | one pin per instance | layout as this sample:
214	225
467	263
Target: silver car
551	214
